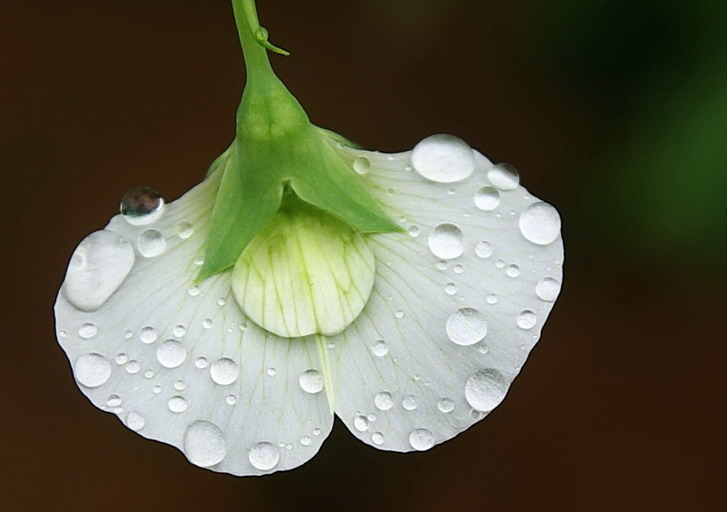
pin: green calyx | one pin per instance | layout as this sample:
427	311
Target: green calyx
277	147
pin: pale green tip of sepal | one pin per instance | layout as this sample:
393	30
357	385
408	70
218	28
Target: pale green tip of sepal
338	138
261	36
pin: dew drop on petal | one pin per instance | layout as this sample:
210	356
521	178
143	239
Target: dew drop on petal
121	358
179	331
362	165
446	241
272	372
135	421
443	159
151	243
483	249
306	441
383	401
547	289
380	348
264	456
141	206
92	370
491	299
179	385
361	423
148	335
466	327
377	438
421	439
87	331
185	230
133	367
409	402
177	404
171	354
201	362
450	288
540	223
445	405
485	390
487	198
311	381
231	399
504	176
224	371
527	319
512	271
113	401
204	444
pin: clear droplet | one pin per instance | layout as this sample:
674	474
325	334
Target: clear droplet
128	335
548	289
201	362
487	198
316	431
135	421
185	230
512	271
446	241
179	385
450	288
133	367
87	331
540	223
413	231
141	206
113	401
383	401
151	243
224	371
205	444
231	399
409	402
272	372
491	299
156	389
377	438
177	404
121	358
485	390
466	327
311	381
171	354
445	405
148	335
306	441
443	159
194	291
264	456
421	439
149	374
92	370
179	331
380	348
504	176
442	265
361	423
207	323
362	165
527	319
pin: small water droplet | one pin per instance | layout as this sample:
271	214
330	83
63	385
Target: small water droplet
540	223
421	439
151	243
128	335
306	441
185	230
399	314
221	301
92	370
527	319
231	399
487	198
547	289
500	263
380	348
207	323
194	291
224	371
113	401
409	402
492	299
204	444
483	249
133	367
272	372
121	358
201	362
148	335
135	421
512	271
413	231
450	288
87	331
179	385
177	404
199	260
141	206
361	423
466	327
443	159
442	265
383	401
156	390
445	405
264	456
311	381
504	176
171	354
179	331
377	438
446	241
316	431
362	165
62	334
149	374
485	390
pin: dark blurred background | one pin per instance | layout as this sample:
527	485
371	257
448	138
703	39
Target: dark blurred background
614	110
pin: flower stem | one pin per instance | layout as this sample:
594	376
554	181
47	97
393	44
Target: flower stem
249	30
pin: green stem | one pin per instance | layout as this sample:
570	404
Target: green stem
257	63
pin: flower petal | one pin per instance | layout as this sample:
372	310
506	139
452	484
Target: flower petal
179	363
457	304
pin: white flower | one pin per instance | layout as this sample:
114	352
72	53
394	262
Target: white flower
410	337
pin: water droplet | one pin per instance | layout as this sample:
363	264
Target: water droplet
87	331
409	402
156	390
311	381
171	354
442	265
194	291
264	456
380	348
483	249
231	399
466	327
450	289
487	198
185	230
151	243
133	367
149	374
316	431
540	223
445	405
512	271
62	334
201	362
121	358
485	390
361	423
177	404
148	335
272	372
141	206
135	421
128	335
527	319
421	439
204	444
199	260
98	266
207	323
306	441
443	159
179	331
383	401
179	385
362	165
377	438
399	314
548	289
492	299
92	370
113	401
221	301
224	371
446	241
371	416
413	231
504	176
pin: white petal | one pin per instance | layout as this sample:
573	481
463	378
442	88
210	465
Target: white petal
456	308
179	363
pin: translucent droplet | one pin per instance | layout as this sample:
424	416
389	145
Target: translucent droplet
399	314
527	319
87	331
200	362
148	335
113	401
177	404
413	231
306	441
207	323
179	385
149	374
98	267
361	423
311	381
380	348
204	444
141	206
194	291
409	402
442	265
377	438
133	367
483	249
504	176
487	198
421	439
264	456
445	405
458	269
485	390
92	370
446	241
231	399
443	159
272	372
179	331
156	390
548	289
450	289
135	421
151	243
185	230
512	271
316	431
491	299
224	371
171	354
466	327
540	223
383	401
362	165
121	358
128	335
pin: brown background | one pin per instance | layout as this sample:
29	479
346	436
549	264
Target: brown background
621	406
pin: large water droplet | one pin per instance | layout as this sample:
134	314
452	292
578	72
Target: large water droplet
466	327
92	370
383	401
377	438
527	319
361	423
135	421
362	165
87	331
171	354
443	158
504	176
264	456
204	444
548	289
224	371
487	198
446	241
540	223
311	381
421	439
151	243
485	390
141	206
177	404
98	266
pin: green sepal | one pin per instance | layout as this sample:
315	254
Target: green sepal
337	137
